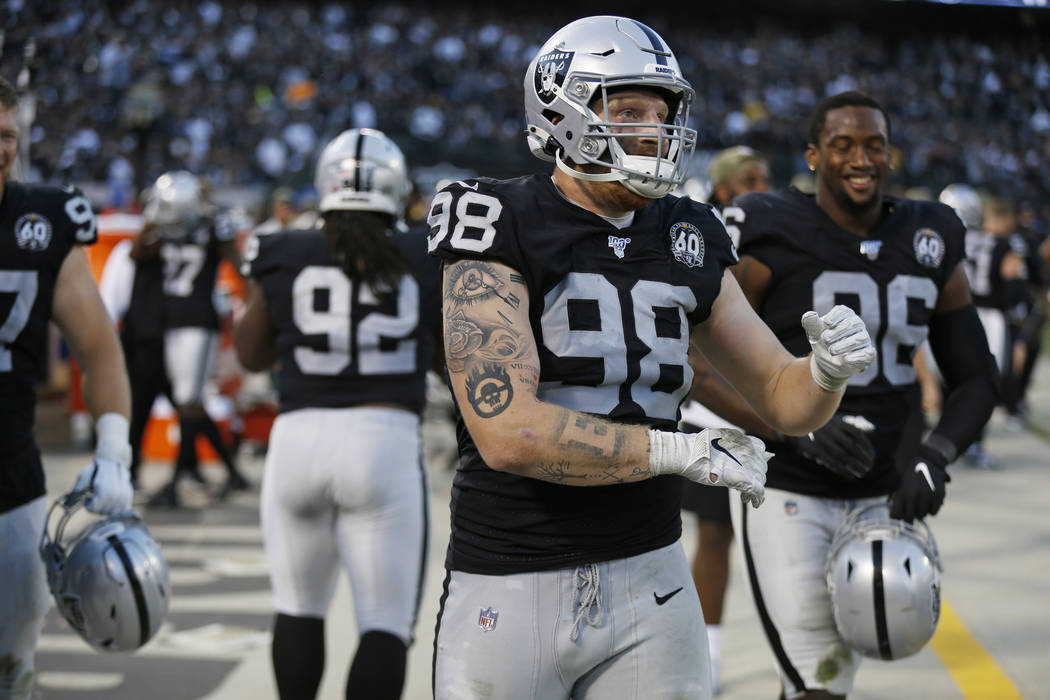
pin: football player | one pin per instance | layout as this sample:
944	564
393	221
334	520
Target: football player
899	264
44	276
732	172
190	244
569	303
351	314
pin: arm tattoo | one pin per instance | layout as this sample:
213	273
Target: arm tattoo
489	390
473	281
591	435
474	329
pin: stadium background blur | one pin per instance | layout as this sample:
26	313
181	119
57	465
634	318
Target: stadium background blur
245	93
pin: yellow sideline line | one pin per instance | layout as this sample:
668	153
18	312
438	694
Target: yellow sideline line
973	669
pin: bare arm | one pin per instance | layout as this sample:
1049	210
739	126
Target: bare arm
78	312
494	367
778	386
146	245
253	333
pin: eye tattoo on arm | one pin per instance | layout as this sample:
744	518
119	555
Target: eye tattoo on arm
472	281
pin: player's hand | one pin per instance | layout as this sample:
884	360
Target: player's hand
921	489
840	446
715	457
841	346
111	483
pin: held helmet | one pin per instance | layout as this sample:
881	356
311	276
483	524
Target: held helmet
362	170
110	580
589	59
175	199
966	202
883	576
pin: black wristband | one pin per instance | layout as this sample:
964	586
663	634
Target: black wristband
937	451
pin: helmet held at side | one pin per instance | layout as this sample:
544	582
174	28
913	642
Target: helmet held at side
588	60
883	575
362	170
175	199
109	580
966	202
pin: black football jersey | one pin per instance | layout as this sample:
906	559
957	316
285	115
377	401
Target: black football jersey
984	261
342	344
611	310
190	260
892	279
38	227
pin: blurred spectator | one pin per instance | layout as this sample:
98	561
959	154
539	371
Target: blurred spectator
282	211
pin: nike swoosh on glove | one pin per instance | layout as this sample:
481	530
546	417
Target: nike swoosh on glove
714	456
921	489
111	483
841	346
838	446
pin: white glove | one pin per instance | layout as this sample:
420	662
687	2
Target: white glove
108	476
841	346
714	456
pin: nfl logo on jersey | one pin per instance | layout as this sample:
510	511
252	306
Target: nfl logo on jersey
870	249
619	245
487	619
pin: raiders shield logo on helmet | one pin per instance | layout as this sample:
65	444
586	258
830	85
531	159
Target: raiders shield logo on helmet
550	73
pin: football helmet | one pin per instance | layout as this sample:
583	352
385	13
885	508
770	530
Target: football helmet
362	170
966	202
884	579
588	59
110	580
176	198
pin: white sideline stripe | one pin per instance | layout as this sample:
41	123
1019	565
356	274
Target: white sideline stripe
253	602
205	534
79	680
72	644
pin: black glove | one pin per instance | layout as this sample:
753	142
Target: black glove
921	489
838	447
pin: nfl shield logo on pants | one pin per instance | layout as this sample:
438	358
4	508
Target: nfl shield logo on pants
487	619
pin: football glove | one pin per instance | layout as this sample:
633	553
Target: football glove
841	346
839	446
921	488
715	457
108	476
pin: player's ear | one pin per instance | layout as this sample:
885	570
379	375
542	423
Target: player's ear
812	157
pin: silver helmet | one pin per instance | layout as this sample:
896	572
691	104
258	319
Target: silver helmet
586	60
175	199
883	576
966	202
362	170
109	581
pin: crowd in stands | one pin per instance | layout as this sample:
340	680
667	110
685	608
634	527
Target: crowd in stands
246	92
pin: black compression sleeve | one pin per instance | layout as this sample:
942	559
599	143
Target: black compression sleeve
961	349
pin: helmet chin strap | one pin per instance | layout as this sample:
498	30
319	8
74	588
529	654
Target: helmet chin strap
611	176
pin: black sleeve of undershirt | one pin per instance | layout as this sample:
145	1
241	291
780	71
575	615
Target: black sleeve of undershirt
960	347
